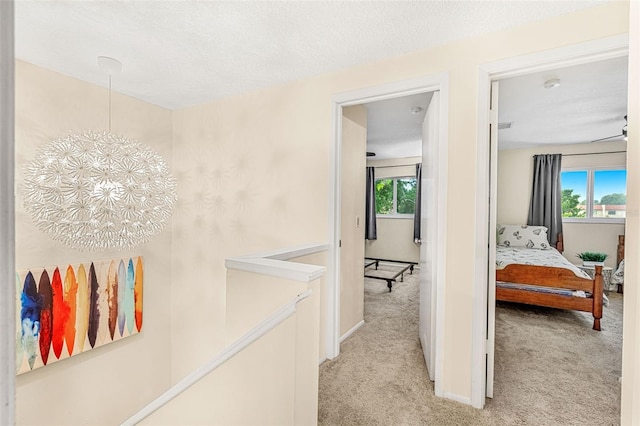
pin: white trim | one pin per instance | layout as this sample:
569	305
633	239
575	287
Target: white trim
275	263
277	268
591	51
457	398
371	94
581	53
593	220
229	352
394	216
332	289
350	332
441	238
7	216
290	252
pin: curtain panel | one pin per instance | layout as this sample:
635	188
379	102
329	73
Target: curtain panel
370	231
546	195
418	211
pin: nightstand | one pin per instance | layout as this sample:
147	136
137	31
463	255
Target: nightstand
606	275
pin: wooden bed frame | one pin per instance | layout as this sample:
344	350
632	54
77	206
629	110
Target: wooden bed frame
619	258
547	276
620	252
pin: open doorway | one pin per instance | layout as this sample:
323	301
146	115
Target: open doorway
579	112
436	195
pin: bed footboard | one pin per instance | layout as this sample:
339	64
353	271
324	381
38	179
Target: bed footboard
546	276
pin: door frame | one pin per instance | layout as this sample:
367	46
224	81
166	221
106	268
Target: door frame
430	83
591	51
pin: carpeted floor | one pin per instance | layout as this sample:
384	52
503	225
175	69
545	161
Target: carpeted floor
551	368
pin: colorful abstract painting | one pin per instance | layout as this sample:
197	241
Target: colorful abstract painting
65	310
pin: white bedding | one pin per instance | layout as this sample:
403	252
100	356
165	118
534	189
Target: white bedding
526	256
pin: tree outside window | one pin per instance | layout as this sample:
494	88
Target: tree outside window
594	194
396	196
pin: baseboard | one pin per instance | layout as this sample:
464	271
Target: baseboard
323	359
457	398
353	330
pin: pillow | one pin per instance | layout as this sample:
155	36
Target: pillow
523	236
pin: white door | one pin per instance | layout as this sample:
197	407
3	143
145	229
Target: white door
493	208
428	246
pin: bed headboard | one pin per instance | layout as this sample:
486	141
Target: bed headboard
620	253
560	243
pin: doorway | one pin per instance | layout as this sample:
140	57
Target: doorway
484	312
438	163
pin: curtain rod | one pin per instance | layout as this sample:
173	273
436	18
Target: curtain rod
399	165
595	153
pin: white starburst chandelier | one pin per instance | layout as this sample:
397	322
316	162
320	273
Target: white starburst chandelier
98	190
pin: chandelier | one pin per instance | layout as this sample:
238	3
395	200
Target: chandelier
99	190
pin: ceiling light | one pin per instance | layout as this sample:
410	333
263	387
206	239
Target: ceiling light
98	190
551	83
416	110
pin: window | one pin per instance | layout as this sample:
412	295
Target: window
592	194
396	196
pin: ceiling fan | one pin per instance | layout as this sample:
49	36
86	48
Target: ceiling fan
622	134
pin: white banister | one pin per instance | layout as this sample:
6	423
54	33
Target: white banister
229	352
274	263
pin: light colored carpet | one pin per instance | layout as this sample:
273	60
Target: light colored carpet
551	368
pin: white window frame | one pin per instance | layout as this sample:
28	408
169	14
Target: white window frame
394	212
589	199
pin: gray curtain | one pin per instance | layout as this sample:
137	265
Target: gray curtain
417	213
546	195
370	231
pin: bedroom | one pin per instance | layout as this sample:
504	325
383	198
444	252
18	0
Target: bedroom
579	112
390	133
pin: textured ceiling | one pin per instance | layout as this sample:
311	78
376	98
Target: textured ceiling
180	53
394	130
590	103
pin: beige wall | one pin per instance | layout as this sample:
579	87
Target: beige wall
514	194
104	385
395	241
250	299
395	235
353	183
254	172
256	387
319	287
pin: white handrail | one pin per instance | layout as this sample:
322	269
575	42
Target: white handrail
229	352
274	263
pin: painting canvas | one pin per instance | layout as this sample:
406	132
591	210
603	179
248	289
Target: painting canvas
62	311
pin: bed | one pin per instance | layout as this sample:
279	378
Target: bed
530	271
389	276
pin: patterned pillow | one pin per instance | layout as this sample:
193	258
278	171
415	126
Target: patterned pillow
523	236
